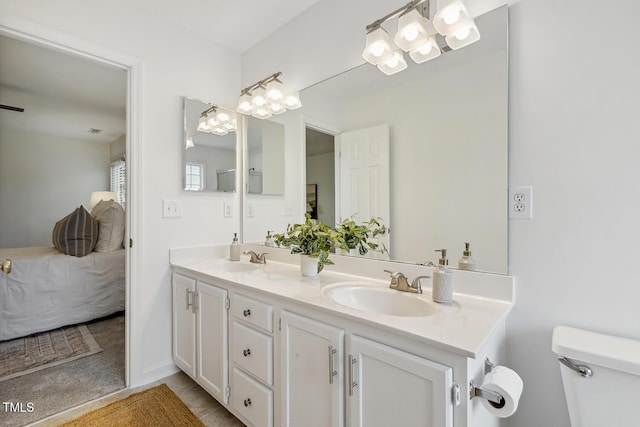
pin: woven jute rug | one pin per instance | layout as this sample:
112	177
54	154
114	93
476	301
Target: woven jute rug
25	355
155	407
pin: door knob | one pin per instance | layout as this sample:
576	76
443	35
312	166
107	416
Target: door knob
6	266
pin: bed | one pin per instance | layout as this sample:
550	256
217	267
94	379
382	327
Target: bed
80	278
47	289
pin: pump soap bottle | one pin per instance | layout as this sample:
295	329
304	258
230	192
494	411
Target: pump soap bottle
269	240
466	262
442	290
234	249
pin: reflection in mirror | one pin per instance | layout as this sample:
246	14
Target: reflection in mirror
447	128
265	152
446	121
209	152
320	158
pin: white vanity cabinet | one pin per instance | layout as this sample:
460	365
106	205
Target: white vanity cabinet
387	387
384	386
200	333
274	358
312	356
251	352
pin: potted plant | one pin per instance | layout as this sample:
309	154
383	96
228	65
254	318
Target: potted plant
352	236
312	240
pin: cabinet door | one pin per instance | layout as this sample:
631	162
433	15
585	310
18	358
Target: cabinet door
390	387
312	372
184	324
213	359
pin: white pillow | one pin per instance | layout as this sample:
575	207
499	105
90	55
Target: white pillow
111	218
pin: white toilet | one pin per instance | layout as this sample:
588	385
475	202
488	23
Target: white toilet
601	377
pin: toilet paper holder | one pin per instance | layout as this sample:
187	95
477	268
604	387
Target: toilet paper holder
476	390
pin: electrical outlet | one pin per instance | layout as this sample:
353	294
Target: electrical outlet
521	202
228	210
250	210
288	209
171	209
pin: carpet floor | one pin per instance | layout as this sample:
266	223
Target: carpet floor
51	390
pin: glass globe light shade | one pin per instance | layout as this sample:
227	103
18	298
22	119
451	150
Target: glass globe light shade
378	46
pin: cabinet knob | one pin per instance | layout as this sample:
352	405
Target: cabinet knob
246	313
246	352
247	402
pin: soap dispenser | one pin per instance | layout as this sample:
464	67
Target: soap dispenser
442	288
466	262
268	241
234	249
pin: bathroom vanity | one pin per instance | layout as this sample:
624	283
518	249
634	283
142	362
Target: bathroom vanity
279	349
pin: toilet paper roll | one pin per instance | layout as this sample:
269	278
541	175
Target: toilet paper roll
509	385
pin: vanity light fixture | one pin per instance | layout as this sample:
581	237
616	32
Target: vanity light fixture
416	34
215	121
266	98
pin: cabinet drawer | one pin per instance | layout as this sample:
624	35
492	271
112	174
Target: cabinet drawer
252	399
253	351
255	312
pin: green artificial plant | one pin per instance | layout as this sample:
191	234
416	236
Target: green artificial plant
311	238
357	236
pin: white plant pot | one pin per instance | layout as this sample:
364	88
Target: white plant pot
308	266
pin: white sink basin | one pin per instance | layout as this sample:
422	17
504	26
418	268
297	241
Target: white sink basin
377	299
236	266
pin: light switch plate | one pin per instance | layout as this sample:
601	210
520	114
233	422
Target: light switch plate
171	209
288	210
228	210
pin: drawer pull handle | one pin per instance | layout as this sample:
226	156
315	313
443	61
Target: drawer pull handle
247	402
246	313
246	352
352	383
189	303
332	371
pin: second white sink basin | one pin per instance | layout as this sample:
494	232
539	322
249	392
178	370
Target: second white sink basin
377	299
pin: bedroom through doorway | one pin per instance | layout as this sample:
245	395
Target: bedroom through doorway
64	167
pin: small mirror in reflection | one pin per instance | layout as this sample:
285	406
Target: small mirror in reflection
265	152
209	147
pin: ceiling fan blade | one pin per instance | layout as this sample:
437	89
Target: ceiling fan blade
9	107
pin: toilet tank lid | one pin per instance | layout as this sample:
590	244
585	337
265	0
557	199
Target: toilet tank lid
612	352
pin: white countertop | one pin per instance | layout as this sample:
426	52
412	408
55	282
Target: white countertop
461	327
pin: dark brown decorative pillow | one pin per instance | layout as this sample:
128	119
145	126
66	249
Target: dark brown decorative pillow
76	234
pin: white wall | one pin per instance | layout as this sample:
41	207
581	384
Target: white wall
39	183
173	67
118	148
573	135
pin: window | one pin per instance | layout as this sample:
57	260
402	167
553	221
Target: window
194	177
118	180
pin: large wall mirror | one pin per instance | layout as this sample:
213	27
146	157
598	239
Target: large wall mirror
440	130
209	160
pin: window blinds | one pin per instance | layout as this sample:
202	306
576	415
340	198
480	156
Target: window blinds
118	180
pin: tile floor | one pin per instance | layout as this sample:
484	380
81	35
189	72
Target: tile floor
205	407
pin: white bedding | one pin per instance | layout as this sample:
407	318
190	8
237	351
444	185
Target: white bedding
47	289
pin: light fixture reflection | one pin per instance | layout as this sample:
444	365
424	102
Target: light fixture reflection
266	98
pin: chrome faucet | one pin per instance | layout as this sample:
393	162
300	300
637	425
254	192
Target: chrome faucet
399	282
255	258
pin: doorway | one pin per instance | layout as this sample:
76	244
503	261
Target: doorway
117	323
320	197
